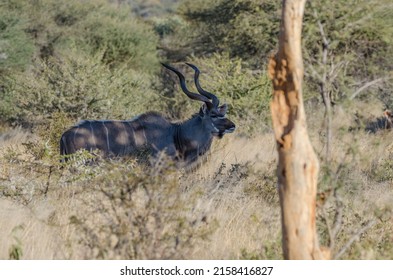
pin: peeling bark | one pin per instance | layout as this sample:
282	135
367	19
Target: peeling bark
298	165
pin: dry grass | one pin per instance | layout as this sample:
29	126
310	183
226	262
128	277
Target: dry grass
226	209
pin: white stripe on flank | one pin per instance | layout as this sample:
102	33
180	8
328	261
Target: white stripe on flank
144	134
64	146
133	132
125	145
93	136
76	131
107	136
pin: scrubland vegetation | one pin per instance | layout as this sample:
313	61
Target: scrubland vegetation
61	62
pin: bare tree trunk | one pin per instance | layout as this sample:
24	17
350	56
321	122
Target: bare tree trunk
298	165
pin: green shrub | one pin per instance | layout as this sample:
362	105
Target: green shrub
16	48
121	39
94	26
248	93
79	86
92	60
360	49
167	26
243	28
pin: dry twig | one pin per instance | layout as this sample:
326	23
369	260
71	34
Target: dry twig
355	237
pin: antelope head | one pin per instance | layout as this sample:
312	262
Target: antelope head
212	114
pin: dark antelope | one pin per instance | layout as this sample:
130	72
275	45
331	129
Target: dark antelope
152	133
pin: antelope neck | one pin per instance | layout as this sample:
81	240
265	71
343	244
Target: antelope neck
191	139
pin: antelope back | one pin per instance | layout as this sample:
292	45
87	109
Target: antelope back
147	133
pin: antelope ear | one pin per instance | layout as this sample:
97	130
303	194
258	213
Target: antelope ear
223	109
204	110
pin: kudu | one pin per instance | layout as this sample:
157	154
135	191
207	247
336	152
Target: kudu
151	133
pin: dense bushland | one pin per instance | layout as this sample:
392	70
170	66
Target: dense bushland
81	58
65	61
102	43
359	46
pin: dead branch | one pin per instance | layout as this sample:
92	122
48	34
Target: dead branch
365	86
355	237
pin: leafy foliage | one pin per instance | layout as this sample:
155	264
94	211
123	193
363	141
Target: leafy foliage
359	50
16	48
92	61
247	92
244	28
121	39
79	86
99	59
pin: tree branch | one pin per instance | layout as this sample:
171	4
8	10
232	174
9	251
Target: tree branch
365	86
356	236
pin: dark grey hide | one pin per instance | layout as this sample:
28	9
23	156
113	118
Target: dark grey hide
151	133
